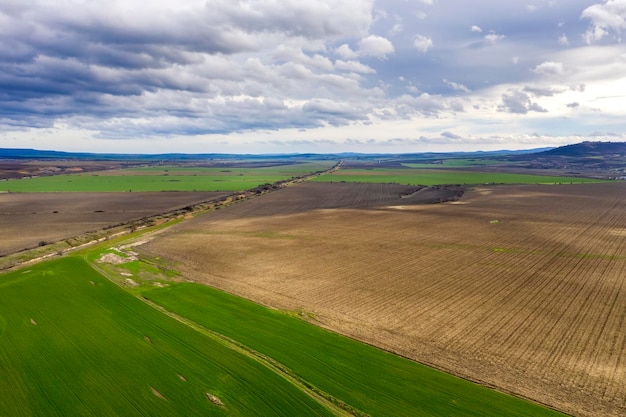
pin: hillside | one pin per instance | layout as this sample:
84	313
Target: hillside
589	149
590	159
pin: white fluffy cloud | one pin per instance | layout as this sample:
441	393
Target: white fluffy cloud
606	18
549	68
370	46
456	86
346	52
375	46
423	43
519	102
354	66
492	38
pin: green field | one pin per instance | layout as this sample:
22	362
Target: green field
74	344
366	378
165	178
418	176
460	162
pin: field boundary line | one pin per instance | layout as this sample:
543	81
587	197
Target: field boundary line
335	405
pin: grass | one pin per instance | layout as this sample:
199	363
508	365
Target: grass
164	178
371	380
140	183
289	169
467	162
72	344
442	176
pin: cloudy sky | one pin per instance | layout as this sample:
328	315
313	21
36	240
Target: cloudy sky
265	76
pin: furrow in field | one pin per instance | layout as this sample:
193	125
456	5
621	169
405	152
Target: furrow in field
509	312
603	326
567	328
617	341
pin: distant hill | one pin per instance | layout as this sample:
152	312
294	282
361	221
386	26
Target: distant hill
591	159
9	153
18	153
589	149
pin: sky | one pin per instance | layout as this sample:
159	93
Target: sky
284	76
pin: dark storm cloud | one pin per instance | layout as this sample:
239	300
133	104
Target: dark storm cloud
314	20
59	60
543	92
333	113
450	135
139	69
519	102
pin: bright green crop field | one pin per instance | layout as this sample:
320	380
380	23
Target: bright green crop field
165	178
429	177
73	343
460	162
368	379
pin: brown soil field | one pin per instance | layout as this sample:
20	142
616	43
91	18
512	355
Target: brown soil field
19	168
521	288
27	219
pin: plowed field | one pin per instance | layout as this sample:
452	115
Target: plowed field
517	287
27	219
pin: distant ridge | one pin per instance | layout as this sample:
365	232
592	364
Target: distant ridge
17	153
589	149
11	153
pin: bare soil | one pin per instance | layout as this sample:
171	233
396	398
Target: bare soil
20	168
521	288
309	196
27	220
157	393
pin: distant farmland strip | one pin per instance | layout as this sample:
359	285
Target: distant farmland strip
163	179
141	183
420	176
30	219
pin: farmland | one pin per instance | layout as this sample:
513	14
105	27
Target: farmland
57	207
234	358
164	178
388	385
458	162
24	167
517	287
26	219
138	362
424	176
